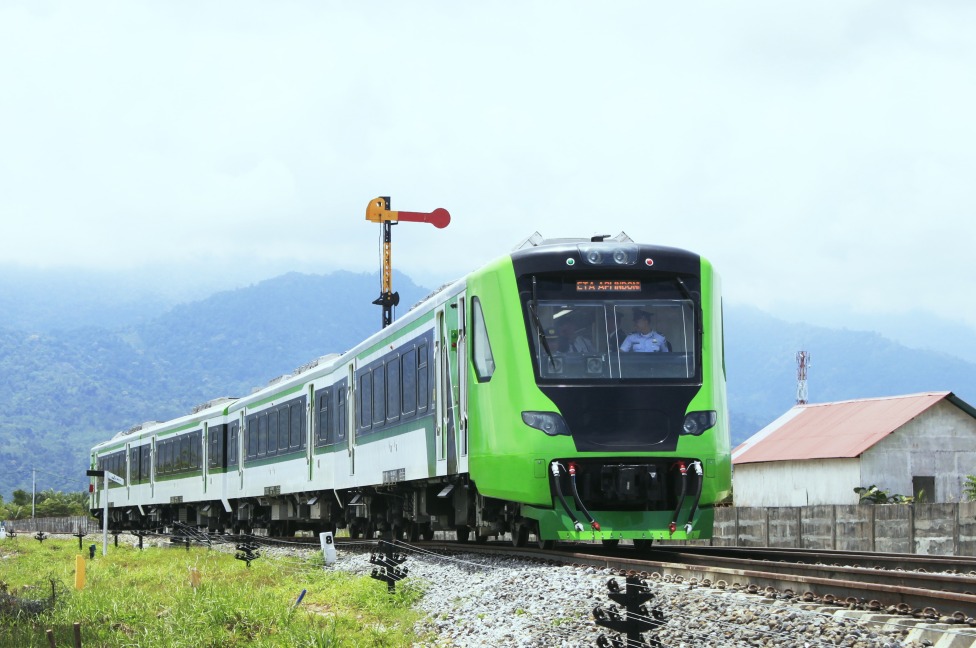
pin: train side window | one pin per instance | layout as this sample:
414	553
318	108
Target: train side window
342	419
365	400
146	458
422	379
393	390
379	396
213	460
408	384
134	464
262	434
184	452
296	427
233	434
273	444
195	448
481	355
323	423
169	463
283	426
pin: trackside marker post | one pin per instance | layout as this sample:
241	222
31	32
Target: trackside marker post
328	547
79	572
106	476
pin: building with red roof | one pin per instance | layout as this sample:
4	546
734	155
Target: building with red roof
920	444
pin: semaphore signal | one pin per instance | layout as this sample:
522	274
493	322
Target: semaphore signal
379	211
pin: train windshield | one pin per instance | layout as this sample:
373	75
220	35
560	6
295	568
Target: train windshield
611	339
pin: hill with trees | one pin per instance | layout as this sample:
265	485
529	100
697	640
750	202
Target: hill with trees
63	390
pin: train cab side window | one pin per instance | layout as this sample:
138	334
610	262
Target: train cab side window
481	355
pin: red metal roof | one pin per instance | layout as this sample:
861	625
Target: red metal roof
843	429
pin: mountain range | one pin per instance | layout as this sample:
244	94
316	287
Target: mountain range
77	367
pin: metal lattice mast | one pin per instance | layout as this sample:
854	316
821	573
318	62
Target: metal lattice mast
802	363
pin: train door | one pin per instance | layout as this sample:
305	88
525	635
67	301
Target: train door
351	419
462	378
241	448
205	455
441	397
126	475
310	418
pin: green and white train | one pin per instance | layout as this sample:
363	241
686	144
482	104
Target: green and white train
502	403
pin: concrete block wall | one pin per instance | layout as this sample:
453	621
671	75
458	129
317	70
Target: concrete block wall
932	529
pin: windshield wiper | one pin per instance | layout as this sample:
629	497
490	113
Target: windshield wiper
538	322
542	336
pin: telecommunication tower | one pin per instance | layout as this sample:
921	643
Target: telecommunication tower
802	363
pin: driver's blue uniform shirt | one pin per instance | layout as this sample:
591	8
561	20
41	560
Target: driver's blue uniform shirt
649	342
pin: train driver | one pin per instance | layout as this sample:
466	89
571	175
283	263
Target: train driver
645	338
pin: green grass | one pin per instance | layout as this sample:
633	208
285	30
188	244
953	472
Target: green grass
145	598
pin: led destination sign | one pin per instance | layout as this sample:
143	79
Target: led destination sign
608	285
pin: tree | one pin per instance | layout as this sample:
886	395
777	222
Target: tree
969	488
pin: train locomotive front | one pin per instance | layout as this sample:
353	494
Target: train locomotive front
597	406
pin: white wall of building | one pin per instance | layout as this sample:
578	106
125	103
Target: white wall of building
796	483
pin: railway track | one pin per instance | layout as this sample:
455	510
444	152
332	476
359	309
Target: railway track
904	585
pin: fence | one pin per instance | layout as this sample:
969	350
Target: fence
70	524
931	529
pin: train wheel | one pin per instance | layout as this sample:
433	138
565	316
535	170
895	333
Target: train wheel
413	532
354	531
642	545
463	533
480	539
427	533
539	542
520	535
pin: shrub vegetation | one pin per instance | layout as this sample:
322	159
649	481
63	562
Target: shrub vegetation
169	597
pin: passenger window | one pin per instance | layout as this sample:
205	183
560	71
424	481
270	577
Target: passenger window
379	397
296	427
409	382
273	432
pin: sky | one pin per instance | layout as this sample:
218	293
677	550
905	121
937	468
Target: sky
821	155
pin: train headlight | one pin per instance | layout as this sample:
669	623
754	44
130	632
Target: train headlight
549	422
602	254
698	422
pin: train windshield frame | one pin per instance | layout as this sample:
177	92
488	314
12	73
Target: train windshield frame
576	336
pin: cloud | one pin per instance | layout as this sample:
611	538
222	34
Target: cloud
817	154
